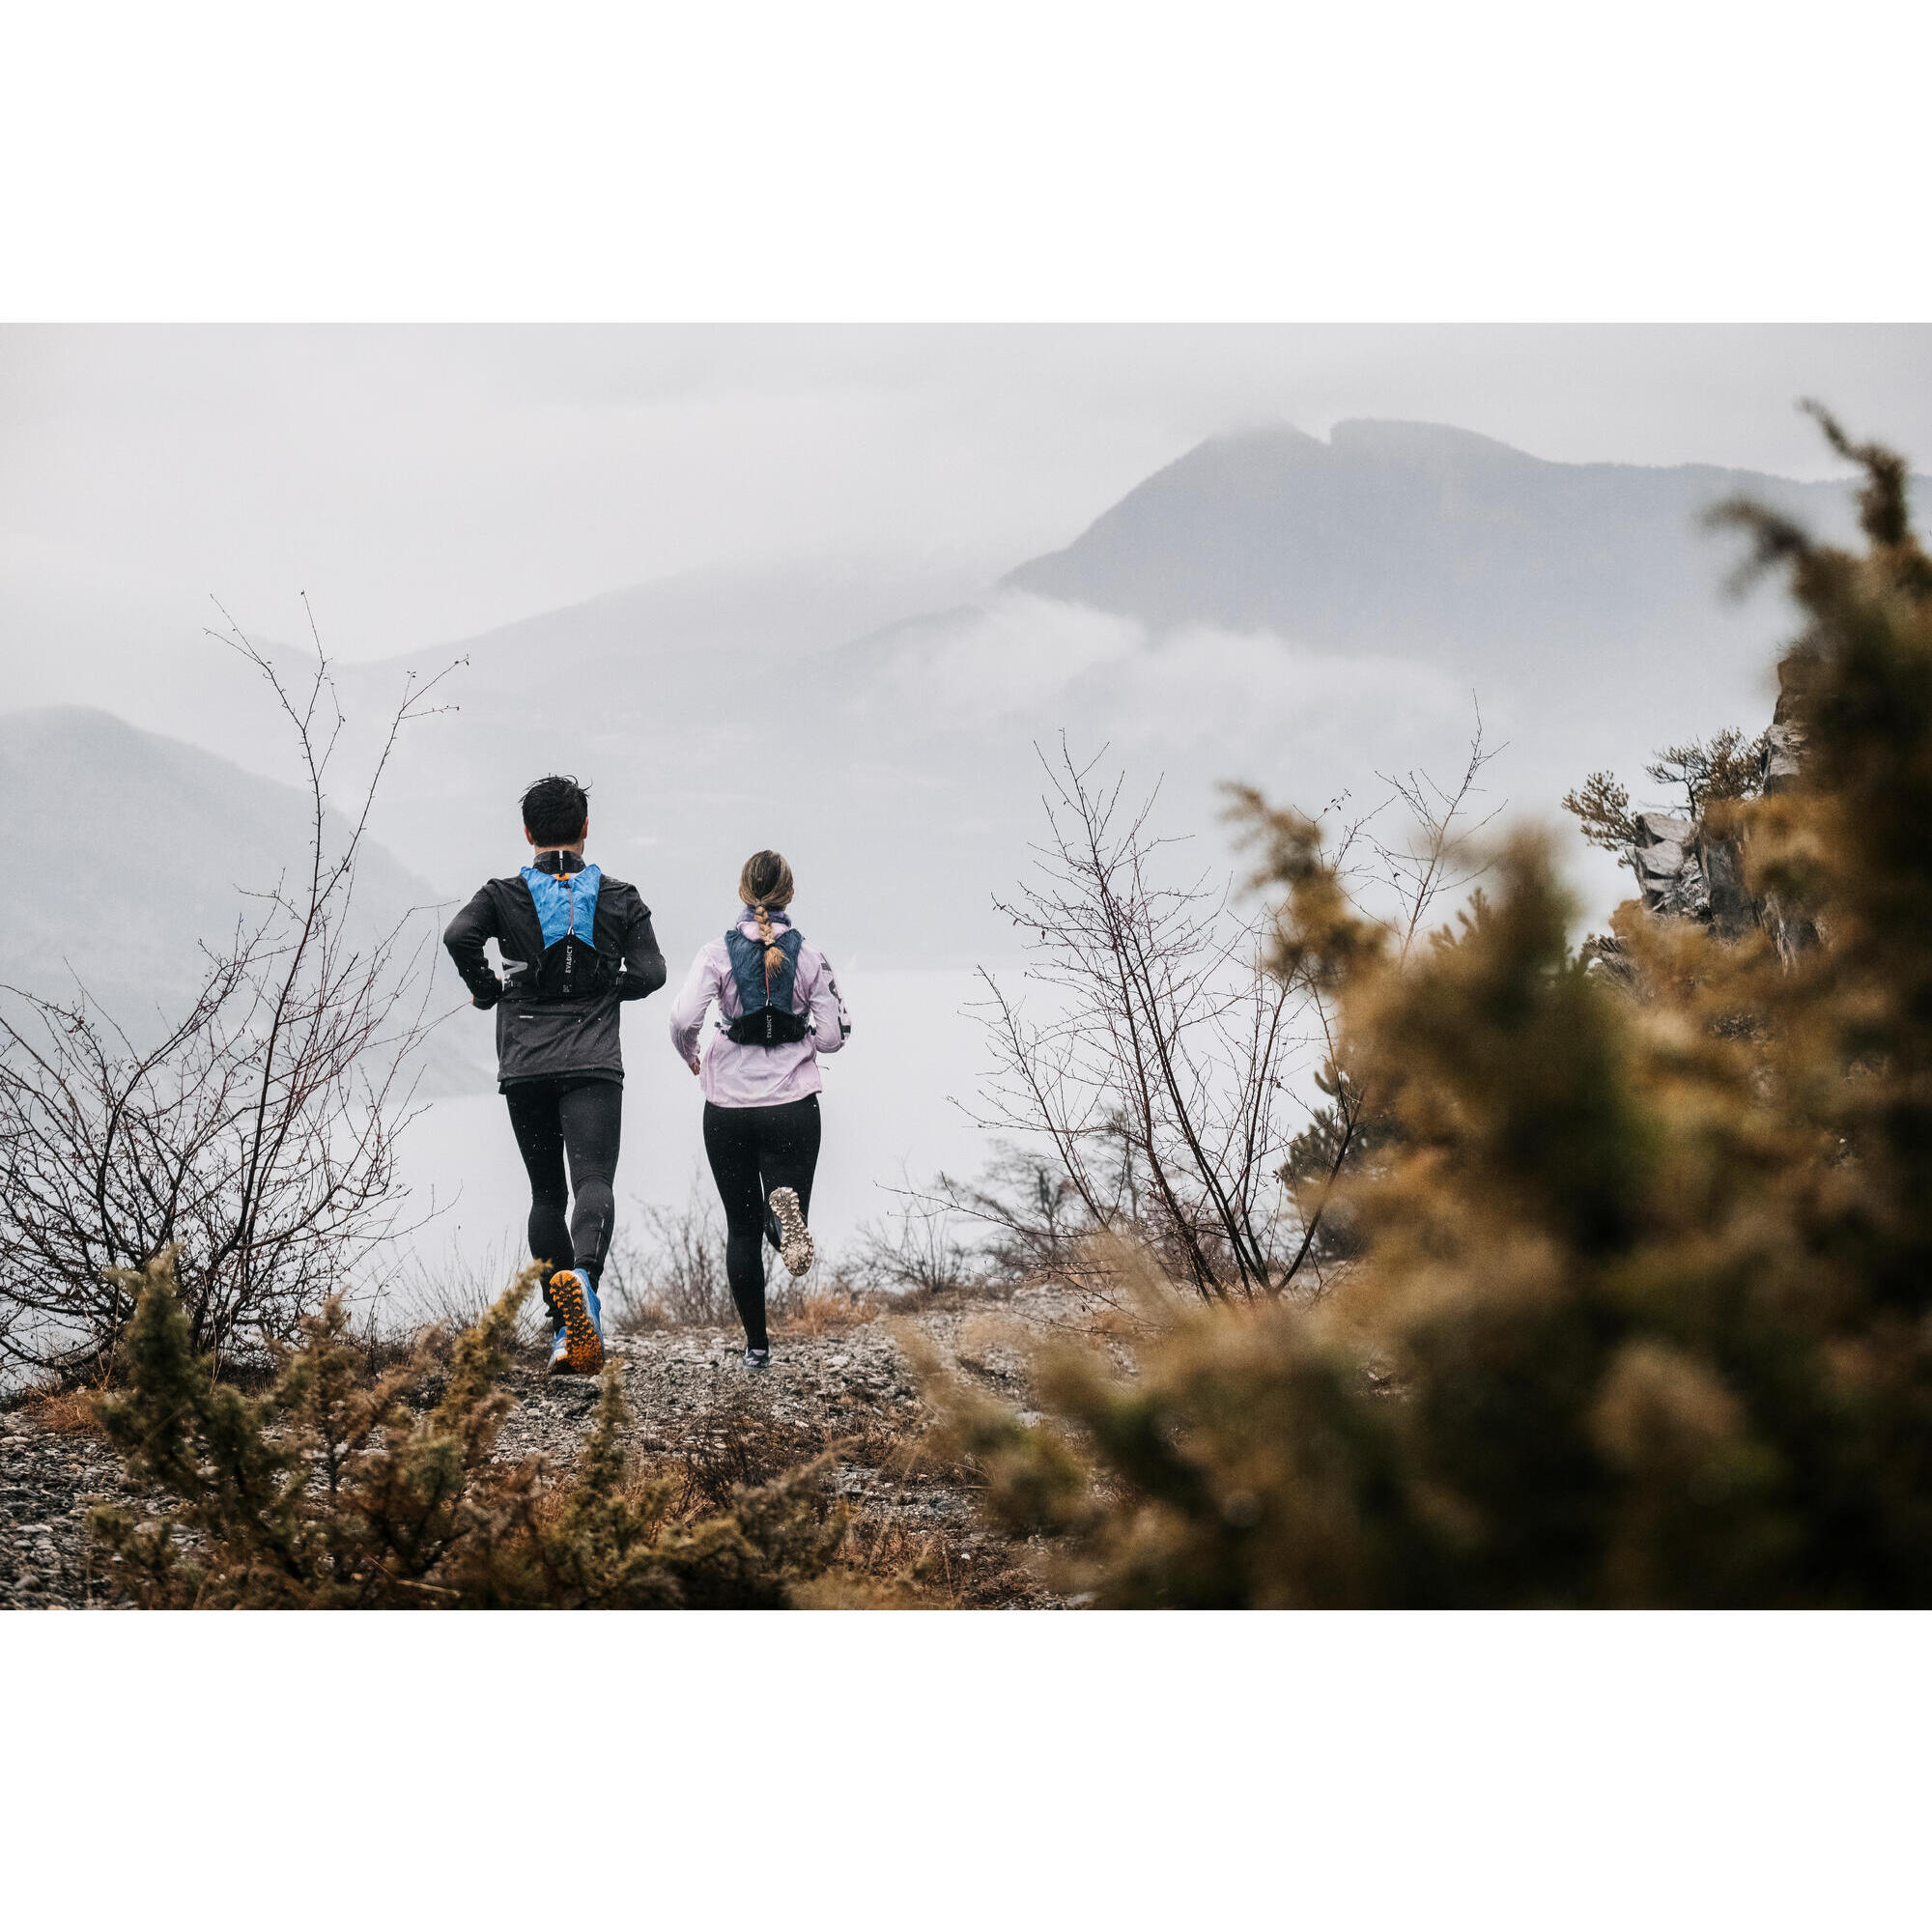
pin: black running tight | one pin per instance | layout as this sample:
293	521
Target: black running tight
753	1149
584	1119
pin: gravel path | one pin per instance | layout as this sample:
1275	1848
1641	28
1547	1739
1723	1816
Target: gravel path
693	1406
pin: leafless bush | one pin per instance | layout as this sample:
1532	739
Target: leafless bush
1031	1221
1402	874
450	1295
1158	1069
671	1275
915	1248
258	1141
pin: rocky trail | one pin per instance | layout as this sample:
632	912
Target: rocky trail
696	1412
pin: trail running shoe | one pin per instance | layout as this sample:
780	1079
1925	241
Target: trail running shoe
797	1246
577	1347
757	1359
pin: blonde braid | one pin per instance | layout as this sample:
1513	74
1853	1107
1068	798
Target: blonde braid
764	883
774	958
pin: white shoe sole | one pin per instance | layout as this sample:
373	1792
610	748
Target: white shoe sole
795	1243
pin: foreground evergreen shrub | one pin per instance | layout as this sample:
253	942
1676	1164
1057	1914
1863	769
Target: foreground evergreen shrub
1643	1308
342	1488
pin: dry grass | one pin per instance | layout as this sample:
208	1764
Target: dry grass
884	1565
637	1317
740	1447
64	1411
827	1311
887	1564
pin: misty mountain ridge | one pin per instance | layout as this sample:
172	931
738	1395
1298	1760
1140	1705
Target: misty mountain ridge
715	612
1271	606
141	850
1418	536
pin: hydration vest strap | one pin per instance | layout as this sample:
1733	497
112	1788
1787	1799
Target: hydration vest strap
768	1026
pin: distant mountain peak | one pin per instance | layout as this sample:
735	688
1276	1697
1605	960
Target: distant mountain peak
1272	434
1352	436
1393	438
1412	535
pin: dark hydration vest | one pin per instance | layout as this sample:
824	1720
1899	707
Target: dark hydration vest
570	966
767	1019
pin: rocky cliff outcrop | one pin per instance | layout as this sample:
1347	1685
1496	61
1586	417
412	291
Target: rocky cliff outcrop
1686	869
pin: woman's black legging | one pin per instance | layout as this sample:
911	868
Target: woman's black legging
586	1119
753	1149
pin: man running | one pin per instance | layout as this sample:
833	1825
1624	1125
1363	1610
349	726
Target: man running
575	946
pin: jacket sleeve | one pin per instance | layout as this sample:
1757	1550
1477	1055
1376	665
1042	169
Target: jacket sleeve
463	938
644	970
694	1001
831	1023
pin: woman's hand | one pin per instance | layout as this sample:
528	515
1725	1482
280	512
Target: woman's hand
695	1064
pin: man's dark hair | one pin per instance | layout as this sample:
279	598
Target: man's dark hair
555	809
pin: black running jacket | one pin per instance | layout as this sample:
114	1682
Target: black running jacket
551	1039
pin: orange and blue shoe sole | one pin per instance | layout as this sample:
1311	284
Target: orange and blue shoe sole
583	1345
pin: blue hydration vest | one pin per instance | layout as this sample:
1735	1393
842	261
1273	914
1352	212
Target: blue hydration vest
767	1018
566	904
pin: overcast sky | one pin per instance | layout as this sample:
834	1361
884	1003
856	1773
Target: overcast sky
425	484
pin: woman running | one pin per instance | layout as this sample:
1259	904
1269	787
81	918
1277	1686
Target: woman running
778	1009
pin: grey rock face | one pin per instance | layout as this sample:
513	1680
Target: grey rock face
1669	872
1785	752
1783	760
1684	870
1781	757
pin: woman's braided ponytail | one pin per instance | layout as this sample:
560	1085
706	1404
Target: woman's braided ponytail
764	885
774	958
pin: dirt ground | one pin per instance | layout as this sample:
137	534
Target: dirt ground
916	1537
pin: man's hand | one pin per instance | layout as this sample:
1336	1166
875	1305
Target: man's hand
695	1064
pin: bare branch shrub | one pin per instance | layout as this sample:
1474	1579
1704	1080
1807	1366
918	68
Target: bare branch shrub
443	1297
915	1248
1157	1065
1032	1224
672	1276
257	1142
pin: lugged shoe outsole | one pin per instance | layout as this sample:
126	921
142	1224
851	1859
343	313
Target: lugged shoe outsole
583	1345
797	1246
